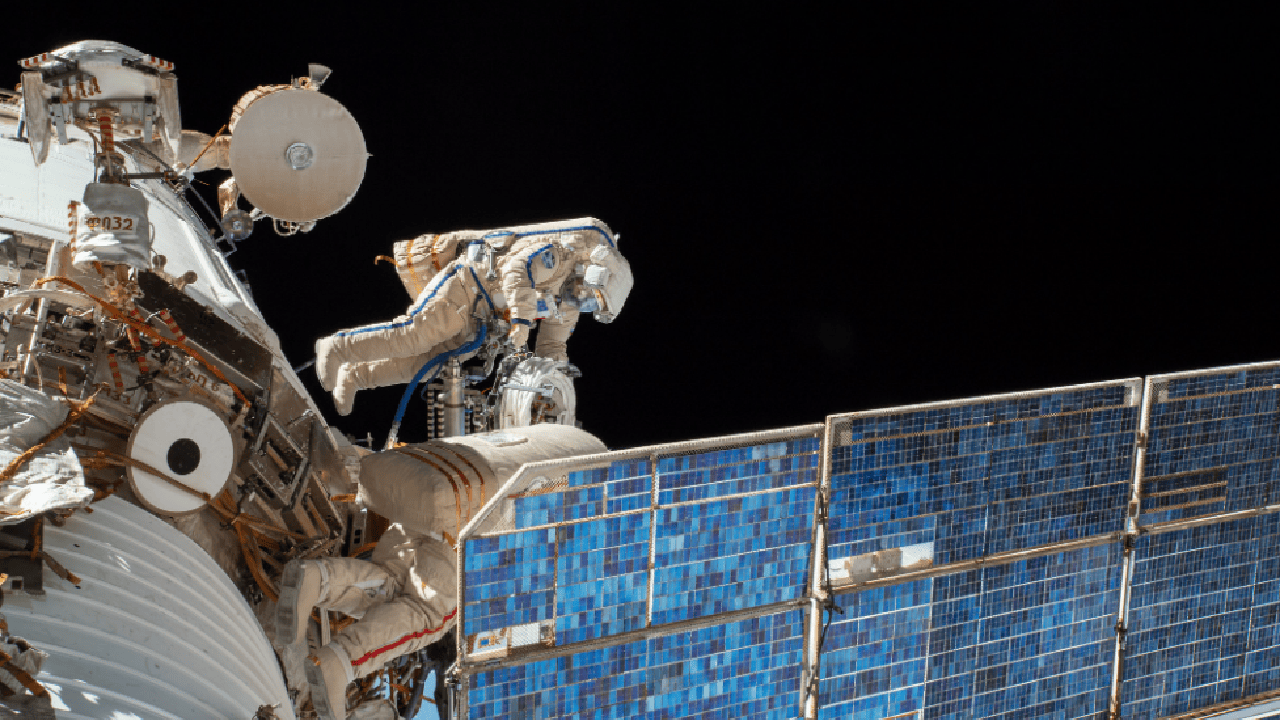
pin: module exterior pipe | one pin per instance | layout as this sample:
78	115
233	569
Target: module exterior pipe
455	413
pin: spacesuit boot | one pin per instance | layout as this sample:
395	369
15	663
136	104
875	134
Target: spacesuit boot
328	674
354	377
300	590
329	359
344	390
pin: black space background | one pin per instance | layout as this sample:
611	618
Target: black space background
825	210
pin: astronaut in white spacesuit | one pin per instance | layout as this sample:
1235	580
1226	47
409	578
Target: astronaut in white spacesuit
406	596
405	599
537	275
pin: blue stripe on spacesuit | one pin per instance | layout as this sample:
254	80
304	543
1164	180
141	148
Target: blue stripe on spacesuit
606	235
440	279
528	263
454	270
521	321
483	292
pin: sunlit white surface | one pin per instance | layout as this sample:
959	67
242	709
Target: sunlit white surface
154	630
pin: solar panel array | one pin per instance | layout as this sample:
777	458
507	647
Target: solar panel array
1202	627
947	485
668	582
1065	553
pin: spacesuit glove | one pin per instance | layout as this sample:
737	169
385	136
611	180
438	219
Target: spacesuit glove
519	334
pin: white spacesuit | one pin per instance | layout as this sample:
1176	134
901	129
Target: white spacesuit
546	273
406	596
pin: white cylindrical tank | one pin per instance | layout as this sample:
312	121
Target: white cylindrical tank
154	630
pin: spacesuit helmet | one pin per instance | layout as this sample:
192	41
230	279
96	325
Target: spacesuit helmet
609	278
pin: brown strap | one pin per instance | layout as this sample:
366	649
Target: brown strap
408	255
408	266
457	497
131	462
225	508
208	145
435	259
74	414
54	565
22	676
252	558
362	549
465	482
474	469
37	536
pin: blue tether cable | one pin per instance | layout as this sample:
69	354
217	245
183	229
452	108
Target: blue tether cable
436	361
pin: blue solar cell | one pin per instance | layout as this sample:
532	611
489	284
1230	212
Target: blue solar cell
623	485
732	554
606	683
875	657
746	670
509	580
1202	618
1234	380
1027	639
713	474
962	416
602	577
984	478
1214	453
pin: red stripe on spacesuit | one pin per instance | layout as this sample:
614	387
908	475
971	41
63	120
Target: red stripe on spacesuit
411	636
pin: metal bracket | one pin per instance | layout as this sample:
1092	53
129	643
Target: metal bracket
545	391
300	477
24	574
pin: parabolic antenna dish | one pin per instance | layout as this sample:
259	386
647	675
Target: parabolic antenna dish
297	155
188	442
